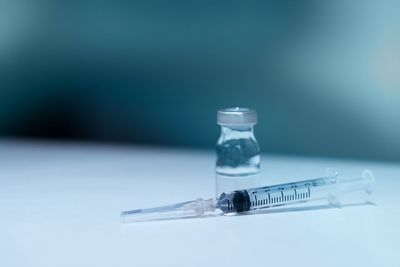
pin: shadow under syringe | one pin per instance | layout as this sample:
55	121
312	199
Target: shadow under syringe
284	209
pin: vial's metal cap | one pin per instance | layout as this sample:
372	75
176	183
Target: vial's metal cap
236	116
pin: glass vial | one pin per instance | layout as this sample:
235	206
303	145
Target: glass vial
238	153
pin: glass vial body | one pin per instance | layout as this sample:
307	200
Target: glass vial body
238	153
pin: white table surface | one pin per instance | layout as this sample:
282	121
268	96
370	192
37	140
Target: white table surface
60	205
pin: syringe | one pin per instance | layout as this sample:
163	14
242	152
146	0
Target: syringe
330	187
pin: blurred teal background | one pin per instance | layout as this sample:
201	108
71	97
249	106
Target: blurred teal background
324	76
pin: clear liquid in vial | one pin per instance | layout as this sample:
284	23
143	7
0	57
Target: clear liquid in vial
238	164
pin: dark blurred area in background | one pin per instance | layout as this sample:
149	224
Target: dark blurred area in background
324	76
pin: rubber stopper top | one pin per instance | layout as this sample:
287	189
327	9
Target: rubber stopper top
236	116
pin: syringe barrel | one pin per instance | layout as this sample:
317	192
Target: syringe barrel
330	188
